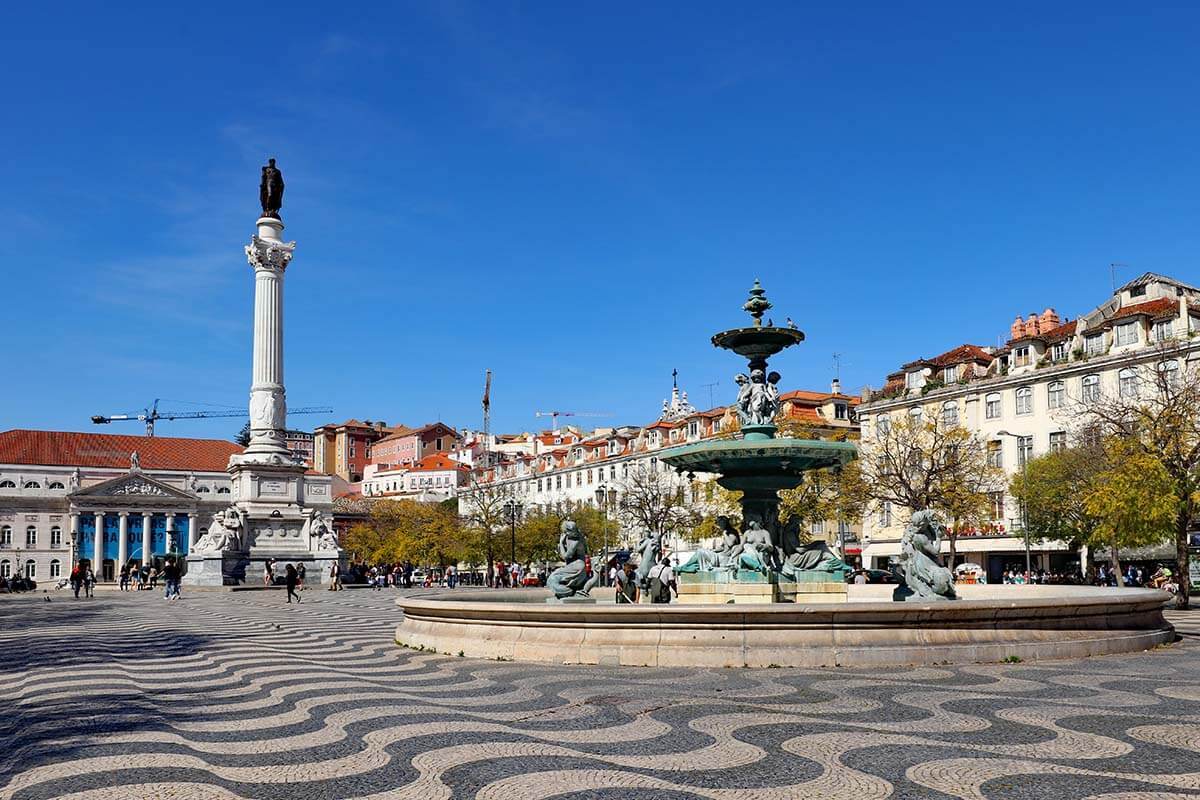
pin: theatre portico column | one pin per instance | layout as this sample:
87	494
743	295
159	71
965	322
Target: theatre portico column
147	550
170	543
123	542
192	521
98	543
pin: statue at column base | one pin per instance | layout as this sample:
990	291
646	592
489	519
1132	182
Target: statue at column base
224	533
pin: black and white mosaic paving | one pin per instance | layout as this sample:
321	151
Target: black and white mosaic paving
237	695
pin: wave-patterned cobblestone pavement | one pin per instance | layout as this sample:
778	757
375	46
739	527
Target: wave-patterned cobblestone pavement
226	695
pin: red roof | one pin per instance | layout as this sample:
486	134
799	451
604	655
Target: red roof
1162	307
436	463
963	354
66	449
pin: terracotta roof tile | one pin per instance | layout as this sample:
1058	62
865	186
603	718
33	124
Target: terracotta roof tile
67	449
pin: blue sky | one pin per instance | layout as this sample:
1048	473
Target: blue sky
576	198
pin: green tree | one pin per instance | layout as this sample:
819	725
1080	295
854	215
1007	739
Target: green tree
1053	491
1133	501
715	501
1161	419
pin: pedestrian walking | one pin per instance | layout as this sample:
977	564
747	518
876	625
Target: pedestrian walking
76	580
124	585
171	575
89	582
269	572
335	576
300	573
291	577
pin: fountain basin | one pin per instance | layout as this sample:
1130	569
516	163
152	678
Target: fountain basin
990	623
778	462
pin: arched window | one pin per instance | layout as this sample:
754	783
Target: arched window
1127	382
914	415
950	413
991	406
56	485
30	568
203	490
1056	394
7	485
1024	401
223	490
1091	388
32	485
31	536
882	426
5	568
55	568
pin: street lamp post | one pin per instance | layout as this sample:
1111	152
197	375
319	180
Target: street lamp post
1024	502
602	504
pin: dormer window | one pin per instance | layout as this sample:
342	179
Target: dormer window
1163	330
839	410
949	375
913	380
693	428
1058	351
1021	356
1126	334
1094	345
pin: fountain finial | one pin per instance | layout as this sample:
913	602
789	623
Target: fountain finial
758	304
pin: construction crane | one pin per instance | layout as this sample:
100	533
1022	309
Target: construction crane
152	414
554	415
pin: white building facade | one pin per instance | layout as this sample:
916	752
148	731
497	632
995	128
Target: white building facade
1025	399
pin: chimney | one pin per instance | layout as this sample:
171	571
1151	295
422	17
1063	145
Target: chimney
1018	328
835	386
1031	325
1049	320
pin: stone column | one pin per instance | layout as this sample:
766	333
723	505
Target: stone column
98	543
123	542
269	256
171	531
147	554
74	534
193	520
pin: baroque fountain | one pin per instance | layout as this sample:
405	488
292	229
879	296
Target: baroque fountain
764	597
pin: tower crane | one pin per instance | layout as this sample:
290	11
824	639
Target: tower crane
152	414
554	415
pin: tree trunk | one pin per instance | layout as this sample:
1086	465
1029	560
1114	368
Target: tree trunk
1116	560
1182	567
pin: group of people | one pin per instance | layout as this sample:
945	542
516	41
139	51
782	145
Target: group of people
293	577
138	577
660	586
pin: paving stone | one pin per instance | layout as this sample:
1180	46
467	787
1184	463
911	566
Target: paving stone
224	695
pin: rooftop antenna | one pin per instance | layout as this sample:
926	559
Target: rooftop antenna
1112	272
710	386
837	366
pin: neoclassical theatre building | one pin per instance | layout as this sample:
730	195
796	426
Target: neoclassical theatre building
120	499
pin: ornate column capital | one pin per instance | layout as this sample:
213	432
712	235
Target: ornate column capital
265	254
